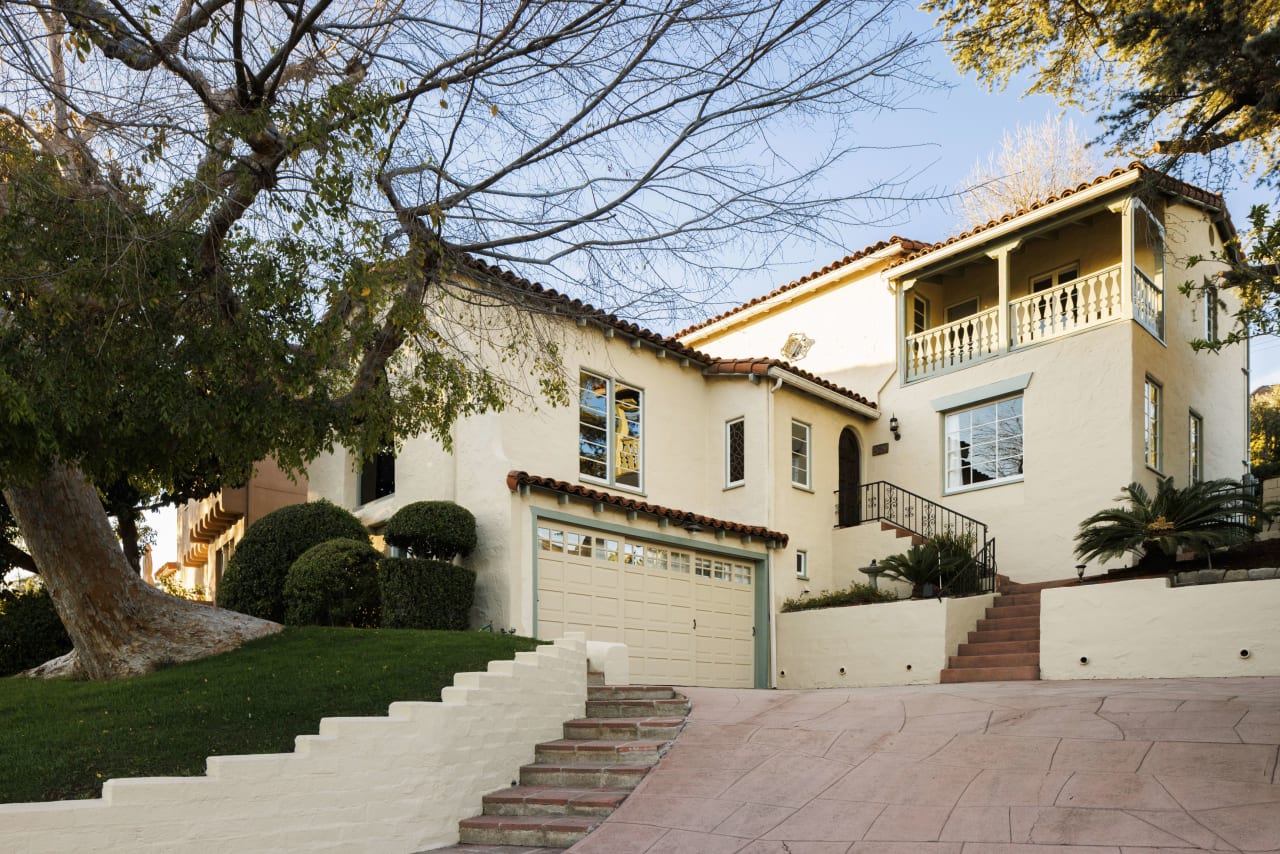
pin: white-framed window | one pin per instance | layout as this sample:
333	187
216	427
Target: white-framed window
1152	425
800	455
610	430
1053	278
735	452
802	564
1195	448
919	314
984	444
962	309
1210	313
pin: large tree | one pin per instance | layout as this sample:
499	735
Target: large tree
225	227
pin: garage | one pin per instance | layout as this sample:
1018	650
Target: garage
687	615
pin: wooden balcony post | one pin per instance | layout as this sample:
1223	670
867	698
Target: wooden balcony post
1125	209
1000	254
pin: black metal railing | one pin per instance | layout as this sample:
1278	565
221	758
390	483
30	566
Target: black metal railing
882	501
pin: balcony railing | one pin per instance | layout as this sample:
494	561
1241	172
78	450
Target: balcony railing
962	341
1073	305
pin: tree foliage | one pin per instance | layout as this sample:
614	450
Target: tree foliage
1264	432
1197	518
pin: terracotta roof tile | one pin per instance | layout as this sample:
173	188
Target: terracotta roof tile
760	367
517	479
907	245
560	303
1162	180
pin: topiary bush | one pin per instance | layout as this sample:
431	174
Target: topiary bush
253	582
432	529
334	584
425	594
30	631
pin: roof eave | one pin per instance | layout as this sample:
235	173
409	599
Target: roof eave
822	392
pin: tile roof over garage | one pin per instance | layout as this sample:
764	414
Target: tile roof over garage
518	479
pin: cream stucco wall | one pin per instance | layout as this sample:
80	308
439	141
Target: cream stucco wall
892	643
1147	629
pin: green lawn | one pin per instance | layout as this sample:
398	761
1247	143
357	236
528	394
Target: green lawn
62	739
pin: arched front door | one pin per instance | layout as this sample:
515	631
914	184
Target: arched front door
850	479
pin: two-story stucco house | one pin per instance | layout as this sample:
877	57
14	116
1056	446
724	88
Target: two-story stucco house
1007	383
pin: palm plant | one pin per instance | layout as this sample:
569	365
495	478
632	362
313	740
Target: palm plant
1197	518
938	563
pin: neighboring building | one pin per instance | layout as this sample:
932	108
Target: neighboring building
1006	383
209	529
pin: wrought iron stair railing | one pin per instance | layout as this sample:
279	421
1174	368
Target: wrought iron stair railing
882	501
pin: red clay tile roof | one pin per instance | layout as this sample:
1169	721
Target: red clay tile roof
760	367
517	479
906	244
1159	179
558	303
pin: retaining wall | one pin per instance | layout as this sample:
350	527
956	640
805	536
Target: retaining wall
398	783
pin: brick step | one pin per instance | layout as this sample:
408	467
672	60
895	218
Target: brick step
1015	587
552	800
595	678
583	776
575	751
1013	600
1004	625
1004	635
999	648
900	533
1010	612
553	831
623	729
1014	659
991	674
630	692
637	708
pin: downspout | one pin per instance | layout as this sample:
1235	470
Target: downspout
770	513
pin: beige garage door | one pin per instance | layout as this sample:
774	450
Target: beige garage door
686	616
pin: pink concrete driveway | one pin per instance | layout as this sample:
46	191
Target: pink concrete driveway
1115	767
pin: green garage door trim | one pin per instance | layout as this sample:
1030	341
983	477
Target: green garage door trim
760	563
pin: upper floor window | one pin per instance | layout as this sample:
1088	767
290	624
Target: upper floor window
735	450
961	310
800	451
1195	448
919	315
610	426
984	444
1153	431
1210	313
378	476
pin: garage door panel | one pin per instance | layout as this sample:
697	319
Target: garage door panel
649	596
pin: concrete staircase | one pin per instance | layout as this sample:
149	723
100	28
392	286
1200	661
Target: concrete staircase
576	781
1006	644
902	533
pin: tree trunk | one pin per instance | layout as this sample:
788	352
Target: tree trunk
120	625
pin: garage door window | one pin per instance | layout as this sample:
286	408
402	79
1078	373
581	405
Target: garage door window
610	427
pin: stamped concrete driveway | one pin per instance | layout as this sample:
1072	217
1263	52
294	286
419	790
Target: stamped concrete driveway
1090	767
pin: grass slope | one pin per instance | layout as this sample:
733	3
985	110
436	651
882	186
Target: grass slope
62	739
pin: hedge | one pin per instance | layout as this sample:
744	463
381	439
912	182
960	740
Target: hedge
254	579
425	594
30	631
432	529
334	584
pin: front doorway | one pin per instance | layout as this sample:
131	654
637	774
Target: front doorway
850	480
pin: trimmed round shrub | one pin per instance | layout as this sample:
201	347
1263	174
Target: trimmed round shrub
432	529
30	631
425	594
334	584
254	579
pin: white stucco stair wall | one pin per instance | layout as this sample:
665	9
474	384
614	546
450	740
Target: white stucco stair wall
398	783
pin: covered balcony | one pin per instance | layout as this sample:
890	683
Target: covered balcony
1066	276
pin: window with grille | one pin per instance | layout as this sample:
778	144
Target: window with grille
800	454
735	453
